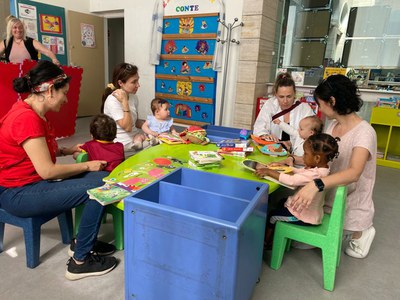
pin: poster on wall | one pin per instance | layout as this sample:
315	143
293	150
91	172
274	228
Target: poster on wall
50	24
87	36
27	11
185	76
31	27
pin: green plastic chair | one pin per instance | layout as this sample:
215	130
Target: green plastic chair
117	215
327	236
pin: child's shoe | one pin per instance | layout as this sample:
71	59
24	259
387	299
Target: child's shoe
93	265
359	248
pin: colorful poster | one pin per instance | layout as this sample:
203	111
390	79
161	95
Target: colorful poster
50	24
31	28
333	71
87	36
27	11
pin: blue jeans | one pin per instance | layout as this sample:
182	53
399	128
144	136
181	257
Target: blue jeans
54	197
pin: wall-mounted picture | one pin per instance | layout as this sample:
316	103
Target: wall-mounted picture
50	24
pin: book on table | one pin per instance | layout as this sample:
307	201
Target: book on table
205	157
252	166
127	181
236	143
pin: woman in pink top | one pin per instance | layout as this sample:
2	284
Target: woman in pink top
338	99
319	150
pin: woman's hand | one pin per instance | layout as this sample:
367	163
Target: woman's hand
304	197
270	138
56	62
121	96
95	165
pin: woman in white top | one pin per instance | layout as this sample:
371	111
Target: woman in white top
121	103
284	98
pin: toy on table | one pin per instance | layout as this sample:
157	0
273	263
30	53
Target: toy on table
273	150
244	134
195	135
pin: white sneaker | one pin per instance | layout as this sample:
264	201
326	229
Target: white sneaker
359	248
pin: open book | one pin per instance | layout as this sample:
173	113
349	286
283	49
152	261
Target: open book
122	184
252	164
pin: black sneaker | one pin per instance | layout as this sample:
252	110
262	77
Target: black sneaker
94	265
100	248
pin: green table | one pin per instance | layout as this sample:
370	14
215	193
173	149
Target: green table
230	166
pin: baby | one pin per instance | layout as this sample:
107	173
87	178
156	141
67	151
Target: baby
159	122
307	126
102	147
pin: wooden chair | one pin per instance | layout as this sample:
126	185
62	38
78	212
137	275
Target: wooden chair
327	236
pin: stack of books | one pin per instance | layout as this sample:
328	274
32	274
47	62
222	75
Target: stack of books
204	159
235	147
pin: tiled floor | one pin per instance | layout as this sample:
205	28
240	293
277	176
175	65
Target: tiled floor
300	276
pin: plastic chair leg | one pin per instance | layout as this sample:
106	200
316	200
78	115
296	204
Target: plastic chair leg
32	242
1	236
329	261
278	250
65	223
78	215
118	223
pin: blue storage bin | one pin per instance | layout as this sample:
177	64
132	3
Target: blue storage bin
219	133
194	235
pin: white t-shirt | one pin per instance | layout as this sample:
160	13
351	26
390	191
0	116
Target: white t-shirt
264	125
359	205
113	108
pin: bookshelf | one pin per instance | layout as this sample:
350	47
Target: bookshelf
386	122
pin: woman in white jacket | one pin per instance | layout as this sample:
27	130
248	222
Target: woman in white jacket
284	98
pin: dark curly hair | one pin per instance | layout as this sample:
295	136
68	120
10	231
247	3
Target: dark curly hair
103	127
345	92
43	71
324	144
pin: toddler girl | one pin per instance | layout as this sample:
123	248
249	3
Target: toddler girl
319	150
159	122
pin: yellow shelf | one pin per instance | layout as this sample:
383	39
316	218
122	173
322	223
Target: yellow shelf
386	122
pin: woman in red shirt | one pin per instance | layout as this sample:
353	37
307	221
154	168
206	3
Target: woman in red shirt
33	184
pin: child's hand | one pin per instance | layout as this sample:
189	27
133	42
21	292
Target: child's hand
277	121
262	172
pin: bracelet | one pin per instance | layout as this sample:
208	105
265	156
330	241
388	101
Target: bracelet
293	158
127	111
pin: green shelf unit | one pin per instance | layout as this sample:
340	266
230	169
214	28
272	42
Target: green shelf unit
386	122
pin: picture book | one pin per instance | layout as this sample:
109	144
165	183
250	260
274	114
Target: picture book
261	141
194	165
252	166
127	181
237	143
205	157
108	193
233	153
170	138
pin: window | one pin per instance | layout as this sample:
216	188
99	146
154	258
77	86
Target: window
352	34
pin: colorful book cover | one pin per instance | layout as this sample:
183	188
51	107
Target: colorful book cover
204	157
126	182
108	193
170	138
233	153
237	143
252	166
236	149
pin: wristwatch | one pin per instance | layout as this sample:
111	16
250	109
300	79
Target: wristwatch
319	184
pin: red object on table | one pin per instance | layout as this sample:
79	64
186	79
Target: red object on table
63	122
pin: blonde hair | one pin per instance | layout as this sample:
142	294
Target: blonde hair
11	21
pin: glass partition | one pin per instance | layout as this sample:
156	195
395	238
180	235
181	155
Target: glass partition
362	37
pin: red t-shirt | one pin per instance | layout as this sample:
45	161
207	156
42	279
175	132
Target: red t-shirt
111	152
18	125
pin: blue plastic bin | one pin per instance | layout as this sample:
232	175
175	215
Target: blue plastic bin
194	235
219	133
